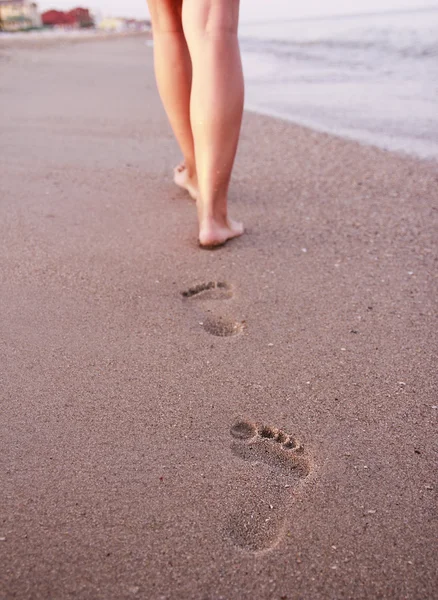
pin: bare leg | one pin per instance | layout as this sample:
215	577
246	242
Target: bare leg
216	108
173	69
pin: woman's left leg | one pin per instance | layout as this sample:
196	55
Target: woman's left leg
173	70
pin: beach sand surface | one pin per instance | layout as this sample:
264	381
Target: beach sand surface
253	422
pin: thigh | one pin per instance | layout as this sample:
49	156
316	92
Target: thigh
165	14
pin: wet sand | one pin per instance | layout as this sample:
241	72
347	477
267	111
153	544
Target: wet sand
142	378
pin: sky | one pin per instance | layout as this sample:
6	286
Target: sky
251	10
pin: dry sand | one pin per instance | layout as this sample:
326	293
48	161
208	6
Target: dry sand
120	476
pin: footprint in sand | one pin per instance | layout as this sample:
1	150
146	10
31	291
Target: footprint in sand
210	302
278	464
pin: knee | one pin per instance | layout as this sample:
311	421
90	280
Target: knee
165	16
210	18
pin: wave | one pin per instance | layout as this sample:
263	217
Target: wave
405	35
372	79
290	48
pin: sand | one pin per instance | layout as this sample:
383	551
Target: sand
137	450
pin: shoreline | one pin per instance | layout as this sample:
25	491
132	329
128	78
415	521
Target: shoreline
146	409
392	144
43	39
419	149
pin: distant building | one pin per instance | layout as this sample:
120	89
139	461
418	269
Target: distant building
113	24
56	18
78	17
17	15
117	24
82	17
136	25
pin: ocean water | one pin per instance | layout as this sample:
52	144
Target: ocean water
372	78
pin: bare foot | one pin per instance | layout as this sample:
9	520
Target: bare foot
181	178
212	234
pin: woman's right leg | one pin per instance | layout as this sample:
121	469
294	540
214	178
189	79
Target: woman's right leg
216	107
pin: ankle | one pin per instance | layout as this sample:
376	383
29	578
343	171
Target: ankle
213	211
215	219
191	170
